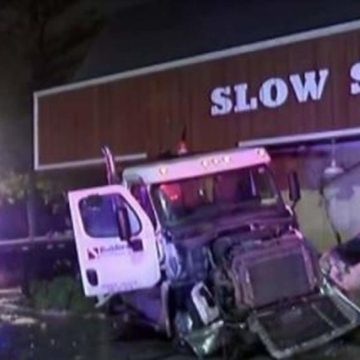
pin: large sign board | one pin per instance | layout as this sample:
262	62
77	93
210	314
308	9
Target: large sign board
295	88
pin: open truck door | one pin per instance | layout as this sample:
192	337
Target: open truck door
115	241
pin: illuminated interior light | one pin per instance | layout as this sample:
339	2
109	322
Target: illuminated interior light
261	152
226	159
215	161
205	163
163	170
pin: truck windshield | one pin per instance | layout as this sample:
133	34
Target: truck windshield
201	198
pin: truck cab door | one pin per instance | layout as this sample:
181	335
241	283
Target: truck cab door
109	263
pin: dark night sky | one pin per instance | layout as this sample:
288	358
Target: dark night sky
161	30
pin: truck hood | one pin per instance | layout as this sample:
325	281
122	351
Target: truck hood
260	223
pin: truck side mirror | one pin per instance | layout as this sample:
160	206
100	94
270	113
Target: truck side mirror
294	187
124	223
125	230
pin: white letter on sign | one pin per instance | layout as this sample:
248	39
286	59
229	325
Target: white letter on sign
273	92
242	102
310	87
221	101
355	75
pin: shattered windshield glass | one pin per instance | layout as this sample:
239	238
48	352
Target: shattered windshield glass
217	194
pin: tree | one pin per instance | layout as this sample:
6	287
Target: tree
51	35
44	41
47	40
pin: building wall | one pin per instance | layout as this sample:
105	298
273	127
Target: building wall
289	86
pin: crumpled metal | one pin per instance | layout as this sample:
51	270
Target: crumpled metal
207	340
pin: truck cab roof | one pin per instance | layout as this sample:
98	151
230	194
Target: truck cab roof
191	166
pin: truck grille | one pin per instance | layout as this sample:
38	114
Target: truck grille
273	272
303	322
292	328
278	278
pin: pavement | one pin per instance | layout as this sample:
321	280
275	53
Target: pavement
26	334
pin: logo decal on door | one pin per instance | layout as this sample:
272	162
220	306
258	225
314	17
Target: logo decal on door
96	252
93	253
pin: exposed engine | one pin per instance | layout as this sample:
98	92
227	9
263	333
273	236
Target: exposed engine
265	271
247	269
266	280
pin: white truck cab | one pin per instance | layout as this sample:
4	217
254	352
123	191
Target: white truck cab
198	242
107	263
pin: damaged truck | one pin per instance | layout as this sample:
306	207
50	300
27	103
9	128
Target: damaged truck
204	248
